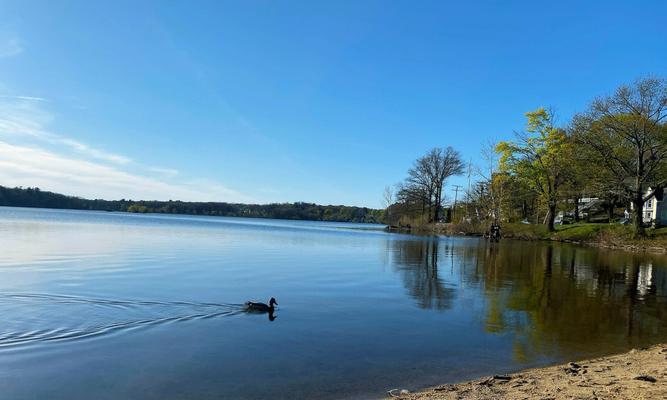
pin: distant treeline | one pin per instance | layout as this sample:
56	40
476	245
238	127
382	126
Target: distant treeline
34	197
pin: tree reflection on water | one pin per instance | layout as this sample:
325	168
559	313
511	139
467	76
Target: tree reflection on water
556	300
417	263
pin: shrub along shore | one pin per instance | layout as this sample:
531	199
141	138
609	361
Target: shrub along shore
612	236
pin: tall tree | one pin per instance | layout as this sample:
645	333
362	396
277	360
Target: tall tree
491	188
388	199
540	157
627	132
421	183
426	180
446	163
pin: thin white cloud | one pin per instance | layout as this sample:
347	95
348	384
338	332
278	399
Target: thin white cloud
28	98
10	47
29	166
93	152
32	155
23	117
168	172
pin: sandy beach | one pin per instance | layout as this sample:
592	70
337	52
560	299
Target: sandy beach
638	374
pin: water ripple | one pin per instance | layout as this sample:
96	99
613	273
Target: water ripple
83	318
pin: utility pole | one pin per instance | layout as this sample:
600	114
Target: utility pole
456	195
468	193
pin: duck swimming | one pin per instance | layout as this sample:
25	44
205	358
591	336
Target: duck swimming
252	306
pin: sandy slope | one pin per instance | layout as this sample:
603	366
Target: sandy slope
638	374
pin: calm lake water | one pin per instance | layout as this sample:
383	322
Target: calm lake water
98	305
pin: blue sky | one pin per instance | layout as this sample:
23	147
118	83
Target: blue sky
272	101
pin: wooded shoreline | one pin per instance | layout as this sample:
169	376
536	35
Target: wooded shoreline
609	236
607	161
36	198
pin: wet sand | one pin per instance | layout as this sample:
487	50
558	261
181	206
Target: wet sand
638	374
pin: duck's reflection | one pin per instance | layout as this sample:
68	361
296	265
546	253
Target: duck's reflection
271	313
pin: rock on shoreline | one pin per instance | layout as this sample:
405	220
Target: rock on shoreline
638	374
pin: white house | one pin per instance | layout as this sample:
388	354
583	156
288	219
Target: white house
654	211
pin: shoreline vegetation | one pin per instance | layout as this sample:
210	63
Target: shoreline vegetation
605	235
36	198
606	162
637	374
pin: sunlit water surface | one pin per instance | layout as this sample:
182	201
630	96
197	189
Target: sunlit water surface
98	305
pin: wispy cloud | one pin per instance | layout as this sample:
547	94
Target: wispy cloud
22	116
30	166
93	152
10	47
168	172
28	98
32	155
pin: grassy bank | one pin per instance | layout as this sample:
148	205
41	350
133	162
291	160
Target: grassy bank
594	234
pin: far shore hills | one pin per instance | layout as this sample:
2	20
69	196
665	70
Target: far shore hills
34	197
605	235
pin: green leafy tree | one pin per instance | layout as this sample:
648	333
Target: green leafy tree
540	156
628	136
